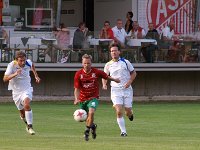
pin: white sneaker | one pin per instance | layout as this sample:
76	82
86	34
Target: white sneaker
30	131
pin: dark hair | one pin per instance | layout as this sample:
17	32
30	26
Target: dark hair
54	28
130	13
81	24
115	45
20	54
106	22
62	25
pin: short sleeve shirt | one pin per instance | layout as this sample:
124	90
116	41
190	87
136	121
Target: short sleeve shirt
167	33
88	83
119	69
22	81
120	34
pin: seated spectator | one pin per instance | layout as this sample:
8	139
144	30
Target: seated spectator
148	50
168	32
105	33
129	22
137	32
62	36
119	33
80	36
174	53
167	35
4	35
167	42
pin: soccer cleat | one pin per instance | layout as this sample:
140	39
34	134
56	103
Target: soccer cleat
93	131
30	130
123	134
86	135
131	117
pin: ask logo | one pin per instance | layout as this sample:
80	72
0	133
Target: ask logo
161	12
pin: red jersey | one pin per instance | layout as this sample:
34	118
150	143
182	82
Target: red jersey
88	83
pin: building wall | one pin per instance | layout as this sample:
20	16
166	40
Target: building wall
103	10
72	20
110	10
135	9
146	84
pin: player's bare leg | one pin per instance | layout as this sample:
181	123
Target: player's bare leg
120	119
93	126
129	113
90	125
28	116
22	116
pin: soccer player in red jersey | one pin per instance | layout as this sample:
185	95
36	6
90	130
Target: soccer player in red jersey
86	84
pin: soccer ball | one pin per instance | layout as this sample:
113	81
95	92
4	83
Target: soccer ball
80	115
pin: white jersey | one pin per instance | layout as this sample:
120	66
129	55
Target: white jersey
119	69
21	82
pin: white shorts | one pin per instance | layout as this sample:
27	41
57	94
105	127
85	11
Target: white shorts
122	96
20	97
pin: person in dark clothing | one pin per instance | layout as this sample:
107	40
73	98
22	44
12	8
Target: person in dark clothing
80	36
129	22
148	50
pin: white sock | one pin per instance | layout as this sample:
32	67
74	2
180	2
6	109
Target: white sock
121	124
29	117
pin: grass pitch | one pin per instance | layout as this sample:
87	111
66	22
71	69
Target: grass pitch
157	126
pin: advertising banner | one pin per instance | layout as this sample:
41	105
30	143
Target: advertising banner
161	12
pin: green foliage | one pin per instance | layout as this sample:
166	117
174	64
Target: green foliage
157	126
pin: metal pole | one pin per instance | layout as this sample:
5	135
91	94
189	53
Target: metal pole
197	19
58	15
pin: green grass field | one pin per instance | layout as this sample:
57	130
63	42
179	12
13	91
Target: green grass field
157	126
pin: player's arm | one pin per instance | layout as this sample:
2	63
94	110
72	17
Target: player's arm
132	78
76	95
76	88
6	78
9	74
104	81
37	79
113	79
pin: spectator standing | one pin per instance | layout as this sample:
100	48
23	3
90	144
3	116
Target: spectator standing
80	36
129	22
62	35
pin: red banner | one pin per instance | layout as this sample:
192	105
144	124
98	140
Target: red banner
161	12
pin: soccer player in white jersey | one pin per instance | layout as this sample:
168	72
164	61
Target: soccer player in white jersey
121	93
18	75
